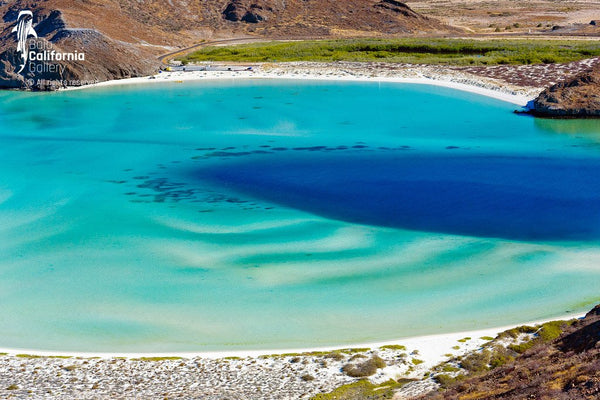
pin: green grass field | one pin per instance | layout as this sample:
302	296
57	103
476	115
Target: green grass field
407	50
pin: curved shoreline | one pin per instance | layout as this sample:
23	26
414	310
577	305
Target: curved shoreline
417	75
427	345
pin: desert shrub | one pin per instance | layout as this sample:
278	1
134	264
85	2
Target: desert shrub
393	347
500	356
515	332
552	330
446	380
450	368
357	357
547	332
476	362
307	377
522	347
334	355
363	369
363	390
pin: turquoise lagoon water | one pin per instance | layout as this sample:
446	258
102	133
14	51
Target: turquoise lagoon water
275	214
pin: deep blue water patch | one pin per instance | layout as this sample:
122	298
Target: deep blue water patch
521	198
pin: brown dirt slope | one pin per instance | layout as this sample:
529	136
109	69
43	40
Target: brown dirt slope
566	368
122	38
577	97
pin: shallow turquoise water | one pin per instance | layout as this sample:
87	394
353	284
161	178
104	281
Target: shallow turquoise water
262	214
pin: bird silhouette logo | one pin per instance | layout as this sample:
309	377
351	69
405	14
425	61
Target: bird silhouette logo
24	29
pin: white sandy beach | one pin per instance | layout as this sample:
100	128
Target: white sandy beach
256	374
431	348
418	74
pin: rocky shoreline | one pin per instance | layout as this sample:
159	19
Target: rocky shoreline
577	97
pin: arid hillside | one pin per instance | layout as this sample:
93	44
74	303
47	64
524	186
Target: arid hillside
565	368
122	38
548	17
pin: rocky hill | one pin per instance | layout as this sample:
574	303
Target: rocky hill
577	97
565	368
122	38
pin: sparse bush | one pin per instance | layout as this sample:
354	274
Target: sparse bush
450	368
334	355
398	347
552	330
364	369
545	333
357	357
477	362
515	332
363	389
446	380
12	387
500	356
522	347
307	377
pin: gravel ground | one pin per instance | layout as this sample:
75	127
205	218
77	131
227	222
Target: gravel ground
271	377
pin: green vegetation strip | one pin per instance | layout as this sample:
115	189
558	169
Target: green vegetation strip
407	50
362	390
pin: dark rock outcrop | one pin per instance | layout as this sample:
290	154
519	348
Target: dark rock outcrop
54	22
247	11
398	8
585	338
578	97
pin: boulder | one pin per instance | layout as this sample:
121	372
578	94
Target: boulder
247	11
577	97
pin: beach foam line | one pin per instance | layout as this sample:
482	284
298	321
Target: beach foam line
431	349
476	87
